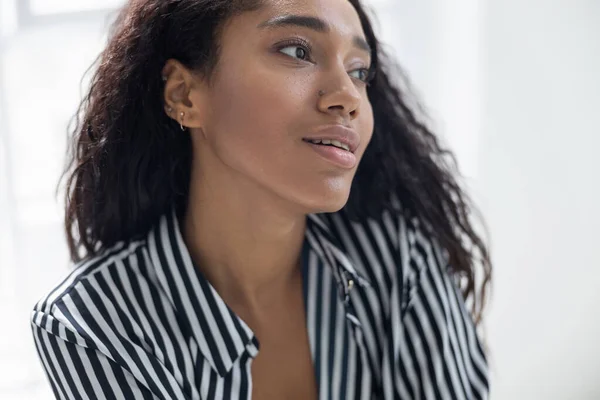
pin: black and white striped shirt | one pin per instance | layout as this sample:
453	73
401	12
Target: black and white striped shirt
385	320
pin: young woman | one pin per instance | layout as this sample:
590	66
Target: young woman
254	211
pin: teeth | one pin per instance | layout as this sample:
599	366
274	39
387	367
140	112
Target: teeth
338	144
333	142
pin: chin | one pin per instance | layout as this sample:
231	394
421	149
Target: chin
316	195
329	202
336	206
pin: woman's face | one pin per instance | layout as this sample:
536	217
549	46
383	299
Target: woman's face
264	102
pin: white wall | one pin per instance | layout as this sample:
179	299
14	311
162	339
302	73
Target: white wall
514	87
41	69
539	173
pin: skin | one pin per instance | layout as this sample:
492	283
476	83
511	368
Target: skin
254	179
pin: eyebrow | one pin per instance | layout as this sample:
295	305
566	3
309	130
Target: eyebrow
314	23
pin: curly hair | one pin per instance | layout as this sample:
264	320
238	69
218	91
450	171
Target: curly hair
127	163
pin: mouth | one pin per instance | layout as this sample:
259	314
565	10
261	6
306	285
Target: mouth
334	152
339	136
329	142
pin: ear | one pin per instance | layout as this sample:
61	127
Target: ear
184	92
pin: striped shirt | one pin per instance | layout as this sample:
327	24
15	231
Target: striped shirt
385	320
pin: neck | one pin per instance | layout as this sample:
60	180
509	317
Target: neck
246	241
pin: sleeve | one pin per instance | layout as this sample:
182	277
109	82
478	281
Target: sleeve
76	371
437	353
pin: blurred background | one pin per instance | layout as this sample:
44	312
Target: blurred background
512	86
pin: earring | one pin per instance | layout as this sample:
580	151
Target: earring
181	123
169	109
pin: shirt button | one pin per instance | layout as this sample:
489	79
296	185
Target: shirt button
350	284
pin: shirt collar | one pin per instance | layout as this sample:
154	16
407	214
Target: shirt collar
327	245
222	336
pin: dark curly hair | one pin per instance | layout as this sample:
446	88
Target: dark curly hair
128	163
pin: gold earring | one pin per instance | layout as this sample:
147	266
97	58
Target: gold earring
181	123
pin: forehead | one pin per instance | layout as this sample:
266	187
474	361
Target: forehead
339	15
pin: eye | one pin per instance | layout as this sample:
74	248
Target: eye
296	48
296	51
363	74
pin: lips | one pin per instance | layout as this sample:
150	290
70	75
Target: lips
338	135
328	142
334	155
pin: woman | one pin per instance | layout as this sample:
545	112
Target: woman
220	250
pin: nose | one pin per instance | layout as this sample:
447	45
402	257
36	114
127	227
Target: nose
341	96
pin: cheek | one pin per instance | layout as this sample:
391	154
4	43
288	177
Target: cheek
256	98
366	126
251	118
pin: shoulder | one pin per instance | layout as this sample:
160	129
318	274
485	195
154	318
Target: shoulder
99	325
87	289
